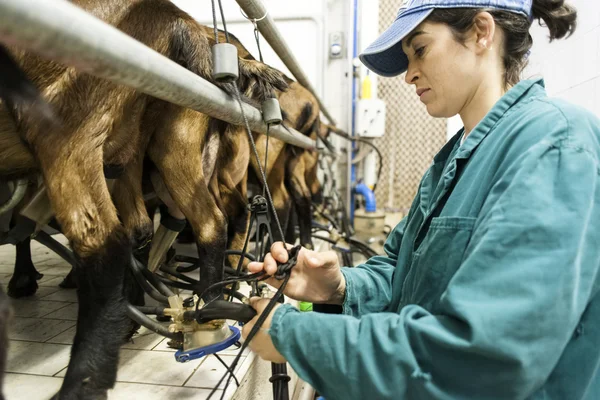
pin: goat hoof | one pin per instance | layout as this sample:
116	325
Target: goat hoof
22	286
132	332
68	282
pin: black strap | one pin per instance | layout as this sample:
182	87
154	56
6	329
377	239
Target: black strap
169	221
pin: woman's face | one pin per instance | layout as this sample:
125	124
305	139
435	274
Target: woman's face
446	73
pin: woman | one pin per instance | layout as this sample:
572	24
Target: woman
489	288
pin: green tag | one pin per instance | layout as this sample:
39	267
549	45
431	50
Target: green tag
304	306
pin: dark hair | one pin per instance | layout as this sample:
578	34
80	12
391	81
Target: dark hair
560	18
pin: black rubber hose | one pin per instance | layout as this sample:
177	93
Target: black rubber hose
149	289
187	259
320	227
190	283
239	253
139	317
368	143
173	272
362	247
232	271
238	295
158	311
154	281
186	286
222	309
56	247
329	218
324	238
176	284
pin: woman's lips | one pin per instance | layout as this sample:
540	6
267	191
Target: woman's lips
420	92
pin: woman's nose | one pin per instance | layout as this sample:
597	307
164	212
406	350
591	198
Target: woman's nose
411	75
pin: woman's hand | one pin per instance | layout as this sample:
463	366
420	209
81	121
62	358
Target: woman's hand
261	343
316	278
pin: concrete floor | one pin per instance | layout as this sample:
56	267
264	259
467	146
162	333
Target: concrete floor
43	328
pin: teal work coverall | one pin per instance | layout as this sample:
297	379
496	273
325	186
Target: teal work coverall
489	289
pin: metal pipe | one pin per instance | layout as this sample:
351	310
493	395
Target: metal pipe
256	11
65	33
39	209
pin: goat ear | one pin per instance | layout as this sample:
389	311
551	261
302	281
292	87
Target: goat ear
190	48
18	92
258	81
325	129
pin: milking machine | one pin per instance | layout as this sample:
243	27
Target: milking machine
197	329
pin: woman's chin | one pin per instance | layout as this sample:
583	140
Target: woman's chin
436	111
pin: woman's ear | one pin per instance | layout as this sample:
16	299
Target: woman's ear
484	29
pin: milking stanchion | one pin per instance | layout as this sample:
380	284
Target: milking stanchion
197	329
200	329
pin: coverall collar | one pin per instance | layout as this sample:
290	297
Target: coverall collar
443	172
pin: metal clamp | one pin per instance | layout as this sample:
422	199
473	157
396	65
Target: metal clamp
272	112
225	62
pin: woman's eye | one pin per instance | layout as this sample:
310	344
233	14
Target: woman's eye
420	51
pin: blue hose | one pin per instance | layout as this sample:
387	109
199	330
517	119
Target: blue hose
371	203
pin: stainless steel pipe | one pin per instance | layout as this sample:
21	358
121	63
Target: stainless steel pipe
63	32
256	11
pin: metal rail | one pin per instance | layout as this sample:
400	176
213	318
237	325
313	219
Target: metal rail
63	32
256	11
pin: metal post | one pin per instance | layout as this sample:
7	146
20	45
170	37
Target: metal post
255	10
61	31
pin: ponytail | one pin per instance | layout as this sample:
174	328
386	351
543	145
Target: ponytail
560	18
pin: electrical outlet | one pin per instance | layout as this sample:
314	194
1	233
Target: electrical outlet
336	45
370	118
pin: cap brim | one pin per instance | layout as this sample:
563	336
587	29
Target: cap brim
385	56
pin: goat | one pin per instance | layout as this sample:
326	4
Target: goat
291	171
17	90
101	125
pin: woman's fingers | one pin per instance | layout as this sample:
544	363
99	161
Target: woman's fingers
268	265
315	259
255	267
279	251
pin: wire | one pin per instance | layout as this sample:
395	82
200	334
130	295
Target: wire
257	37
214	13
228	369
368	143
261	319
223	21
344	135
261	275
254	20
266	154
262	171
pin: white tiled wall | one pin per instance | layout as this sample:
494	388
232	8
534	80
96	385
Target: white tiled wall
571	67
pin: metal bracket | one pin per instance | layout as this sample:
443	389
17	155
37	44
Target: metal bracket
259	209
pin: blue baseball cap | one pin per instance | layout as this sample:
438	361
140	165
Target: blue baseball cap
385	56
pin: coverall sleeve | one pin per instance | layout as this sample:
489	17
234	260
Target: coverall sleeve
507	314
369	285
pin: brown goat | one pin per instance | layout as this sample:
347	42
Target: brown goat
17	90
209	191
215	204
291	171
101	125
289	168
